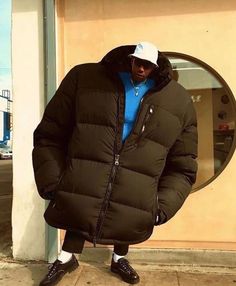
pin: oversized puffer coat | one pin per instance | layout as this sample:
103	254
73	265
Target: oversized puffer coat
107	190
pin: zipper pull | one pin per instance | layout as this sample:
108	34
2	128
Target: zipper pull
117	157
150	111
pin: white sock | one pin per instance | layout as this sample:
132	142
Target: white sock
64	256
116	257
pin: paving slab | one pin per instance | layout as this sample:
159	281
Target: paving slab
14	273
70	279
209	279
158	278
100	276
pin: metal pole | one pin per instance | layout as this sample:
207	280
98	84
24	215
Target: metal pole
51	243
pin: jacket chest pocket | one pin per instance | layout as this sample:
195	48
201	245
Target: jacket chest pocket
161	126
143	119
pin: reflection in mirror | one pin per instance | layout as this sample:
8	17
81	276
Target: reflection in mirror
215	107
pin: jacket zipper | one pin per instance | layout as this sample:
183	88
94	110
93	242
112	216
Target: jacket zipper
115	166
106	200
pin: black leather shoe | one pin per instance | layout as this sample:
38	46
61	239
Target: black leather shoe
57	270
126	272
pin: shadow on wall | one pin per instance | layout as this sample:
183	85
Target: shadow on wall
29	226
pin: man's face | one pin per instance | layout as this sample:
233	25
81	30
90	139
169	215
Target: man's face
141	69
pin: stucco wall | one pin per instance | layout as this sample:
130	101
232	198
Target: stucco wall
27	71
203	29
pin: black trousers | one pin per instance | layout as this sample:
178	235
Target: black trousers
74	243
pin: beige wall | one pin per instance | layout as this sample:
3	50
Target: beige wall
203	29
28	231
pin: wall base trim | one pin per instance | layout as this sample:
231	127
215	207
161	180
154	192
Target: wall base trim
156	256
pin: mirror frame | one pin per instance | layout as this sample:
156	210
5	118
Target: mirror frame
232	100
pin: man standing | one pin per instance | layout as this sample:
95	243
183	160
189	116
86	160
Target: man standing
115	154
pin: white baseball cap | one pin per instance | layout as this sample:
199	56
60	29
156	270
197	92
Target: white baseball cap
146	51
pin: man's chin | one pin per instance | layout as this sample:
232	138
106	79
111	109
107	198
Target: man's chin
139	78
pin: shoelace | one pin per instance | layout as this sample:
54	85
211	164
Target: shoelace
52	268
126	266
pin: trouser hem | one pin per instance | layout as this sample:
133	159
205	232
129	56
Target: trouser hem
74	243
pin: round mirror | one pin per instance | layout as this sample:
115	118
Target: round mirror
216	112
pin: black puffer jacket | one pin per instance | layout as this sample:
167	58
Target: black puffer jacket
108	191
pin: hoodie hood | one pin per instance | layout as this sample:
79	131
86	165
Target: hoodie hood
118	60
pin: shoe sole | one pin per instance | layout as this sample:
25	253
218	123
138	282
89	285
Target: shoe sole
124	278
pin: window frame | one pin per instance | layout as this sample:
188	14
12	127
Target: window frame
232	101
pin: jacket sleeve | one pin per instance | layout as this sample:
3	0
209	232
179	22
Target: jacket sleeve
180	170
51	137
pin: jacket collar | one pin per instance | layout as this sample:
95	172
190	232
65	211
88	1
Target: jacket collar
117	60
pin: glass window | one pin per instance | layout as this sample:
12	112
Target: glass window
216	110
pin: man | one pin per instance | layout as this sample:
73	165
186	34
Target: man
115	154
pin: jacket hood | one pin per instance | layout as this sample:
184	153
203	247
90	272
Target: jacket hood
117	60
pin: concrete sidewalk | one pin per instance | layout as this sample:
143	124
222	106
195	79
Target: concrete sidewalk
90	273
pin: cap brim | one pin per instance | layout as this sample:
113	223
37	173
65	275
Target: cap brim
142	58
